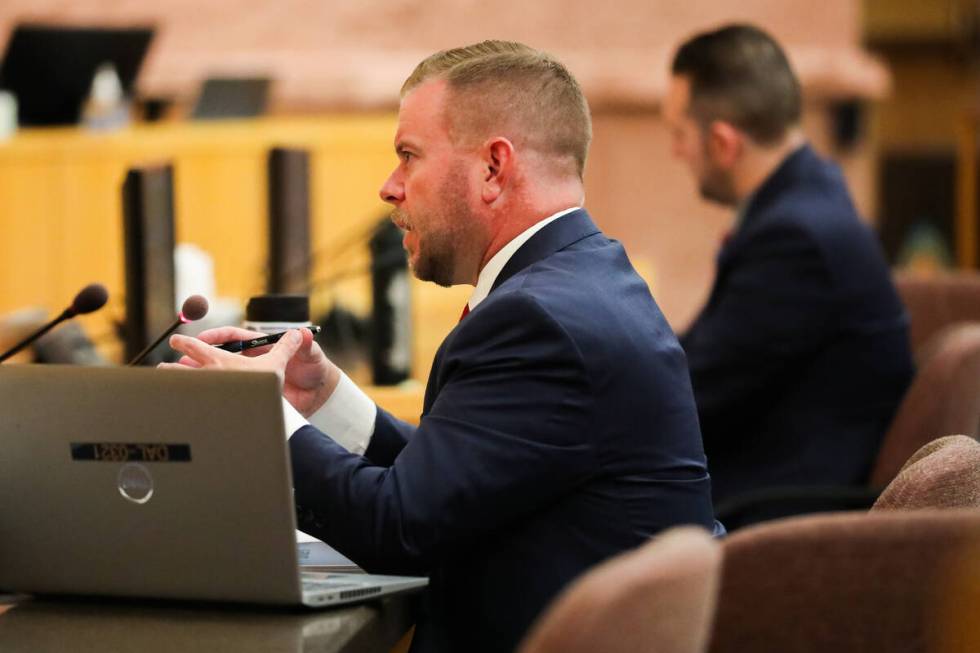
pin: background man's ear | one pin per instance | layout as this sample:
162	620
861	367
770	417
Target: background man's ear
725	142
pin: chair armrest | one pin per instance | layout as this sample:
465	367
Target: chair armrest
773	503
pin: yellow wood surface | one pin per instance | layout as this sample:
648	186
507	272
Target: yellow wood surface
403	401
61	213
60	195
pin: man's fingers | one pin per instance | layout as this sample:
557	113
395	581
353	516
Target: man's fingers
220	335
200	352
307	340
287	346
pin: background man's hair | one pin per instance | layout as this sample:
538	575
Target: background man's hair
739	74
504	88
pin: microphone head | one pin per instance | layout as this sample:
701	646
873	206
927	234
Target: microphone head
90	298
194	308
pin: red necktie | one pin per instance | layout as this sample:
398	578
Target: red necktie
466	311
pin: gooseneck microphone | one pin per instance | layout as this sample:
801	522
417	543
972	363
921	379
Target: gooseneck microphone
194	308
90	298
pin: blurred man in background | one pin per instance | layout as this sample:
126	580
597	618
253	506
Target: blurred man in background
800	357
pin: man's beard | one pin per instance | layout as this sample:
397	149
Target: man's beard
716	185
439	256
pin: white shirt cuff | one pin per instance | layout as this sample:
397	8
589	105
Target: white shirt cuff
347	416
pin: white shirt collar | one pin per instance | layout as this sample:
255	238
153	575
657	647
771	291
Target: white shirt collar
490	272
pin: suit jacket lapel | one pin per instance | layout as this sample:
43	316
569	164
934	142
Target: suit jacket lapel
794	165
559	234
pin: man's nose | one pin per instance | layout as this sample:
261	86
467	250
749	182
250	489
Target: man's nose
393	191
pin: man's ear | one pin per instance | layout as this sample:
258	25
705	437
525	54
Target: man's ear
498	167
725	143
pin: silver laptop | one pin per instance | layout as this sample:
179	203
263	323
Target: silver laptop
139	482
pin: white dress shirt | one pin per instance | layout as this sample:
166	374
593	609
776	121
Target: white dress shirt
348	415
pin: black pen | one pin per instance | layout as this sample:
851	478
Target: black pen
236	346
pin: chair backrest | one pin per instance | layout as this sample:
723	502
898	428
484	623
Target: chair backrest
944	398
936	301
851	582
945	473
659	597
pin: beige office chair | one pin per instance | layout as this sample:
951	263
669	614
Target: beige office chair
937	301
944	399
656	598
945	473
850	583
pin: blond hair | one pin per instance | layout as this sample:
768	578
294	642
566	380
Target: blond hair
509	89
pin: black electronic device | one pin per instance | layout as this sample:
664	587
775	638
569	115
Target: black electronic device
289	221
231	97
238	346
49	68
148	232
391	310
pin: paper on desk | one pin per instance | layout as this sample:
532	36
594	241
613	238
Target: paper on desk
305	537
317	553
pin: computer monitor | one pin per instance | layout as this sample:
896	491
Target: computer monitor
50	68
231	97
148	233
391	306
289	221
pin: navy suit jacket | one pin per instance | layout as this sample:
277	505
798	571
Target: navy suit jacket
801	355
558	429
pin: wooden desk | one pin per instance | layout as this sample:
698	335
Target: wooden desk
33	626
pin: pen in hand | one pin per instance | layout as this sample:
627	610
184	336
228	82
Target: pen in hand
236	346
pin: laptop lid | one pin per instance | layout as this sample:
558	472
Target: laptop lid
145	483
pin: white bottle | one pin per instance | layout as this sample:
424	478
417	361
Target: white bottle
106	106
8	115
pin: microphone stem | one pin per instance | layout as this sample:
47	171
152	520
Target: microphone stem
67	313
140	356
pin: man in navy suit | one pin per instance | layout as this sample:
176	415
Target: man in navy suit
559	426
800	357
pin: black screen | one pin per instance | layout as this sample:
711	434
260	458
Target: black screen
50	68
148	230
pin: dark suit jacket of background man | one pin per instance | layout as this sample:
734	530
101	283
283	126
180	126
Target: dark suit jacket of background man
557	430
801	355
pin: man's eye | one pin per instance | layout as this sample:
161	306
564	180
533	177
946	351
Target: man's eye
406	156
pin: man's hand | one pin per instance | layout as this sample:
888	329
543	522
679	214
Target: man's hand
309	378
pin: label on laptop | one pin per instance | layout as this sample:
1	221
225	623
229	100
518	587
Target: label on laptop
122	452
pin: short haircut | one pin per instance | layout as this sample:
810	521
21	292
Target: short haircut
524	94
739	74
